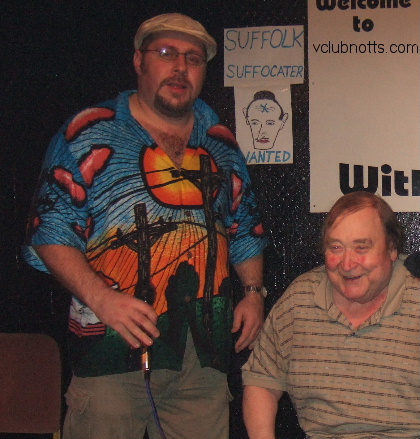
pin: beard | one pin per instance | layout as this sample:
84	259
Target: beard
169	110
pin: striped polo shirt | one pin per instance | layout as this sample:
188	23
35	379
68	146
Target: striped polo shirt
345	382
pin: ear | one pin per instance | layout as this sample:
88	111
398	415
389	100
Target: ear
393	254
244	111
137	61
283	121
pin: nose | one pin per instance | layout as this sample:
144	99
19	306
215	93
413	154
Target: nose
263	131
180	64
348	261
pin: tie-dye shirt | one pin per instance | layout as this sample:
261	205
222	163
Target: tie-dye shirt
146	226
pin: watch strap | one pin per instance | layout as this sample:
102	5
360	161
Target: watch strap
256	289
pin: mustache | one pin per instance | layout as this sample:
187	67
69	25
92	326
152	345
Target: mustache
179	79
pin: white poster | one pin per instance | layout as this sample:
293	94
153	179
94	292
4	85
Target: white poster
264	124
364	100
264	55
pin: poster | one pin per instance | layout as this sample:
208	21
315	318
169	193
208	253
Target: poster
364	100
261	63
264	55
264	124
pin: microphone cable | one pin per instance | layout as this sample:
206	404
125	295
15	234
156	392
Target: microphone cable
145	291
146	371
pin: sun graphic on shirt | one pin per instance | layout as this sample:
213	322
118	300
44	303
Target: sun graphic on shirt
172	186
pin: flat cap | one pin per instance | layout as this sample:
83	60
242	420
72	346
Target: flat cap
178	23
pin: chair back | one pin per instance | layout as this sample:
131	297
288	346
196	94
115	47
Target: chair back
30	384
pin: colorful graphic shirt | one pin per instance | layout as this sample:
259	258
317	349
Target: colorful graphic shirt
164	234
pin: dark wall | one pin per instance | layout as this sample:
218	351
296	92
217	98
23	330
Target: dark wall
63	55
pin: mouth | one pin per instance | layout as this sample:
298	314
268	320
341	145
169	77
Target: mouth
351	278
263	140
177	84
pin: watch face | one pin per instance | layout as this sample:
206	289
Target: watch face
256	289
263	292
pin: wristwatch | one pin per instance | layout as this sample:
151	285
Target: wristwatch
256	289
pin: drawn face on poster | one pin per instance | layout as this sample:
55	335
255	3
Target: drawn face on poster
264	124
266	118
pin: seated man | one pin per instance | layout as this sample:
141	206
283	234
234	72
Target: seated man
343	340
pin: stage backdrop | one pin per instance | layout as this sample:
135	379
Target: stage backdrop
364	100
62	56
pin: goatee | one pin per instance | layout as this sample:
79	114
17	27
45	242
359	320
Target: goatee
169	110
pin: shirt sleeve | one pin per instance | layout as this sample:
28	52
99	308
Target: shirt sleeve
267	366
243	222
59	212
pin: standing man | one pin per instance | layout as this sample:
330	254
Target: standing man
143	202
343	340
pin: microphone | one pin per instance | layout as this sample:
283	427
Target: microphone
147	294
145	361
144	289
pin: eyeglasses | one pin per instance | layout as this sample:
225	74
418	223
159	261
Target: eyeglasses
171	54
